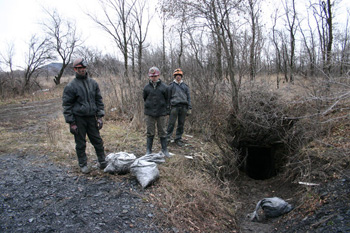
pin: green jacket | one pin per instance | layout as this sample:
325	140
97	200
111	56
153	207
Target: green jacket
82	97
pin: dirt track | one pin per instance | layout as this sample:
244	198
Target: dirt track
39	196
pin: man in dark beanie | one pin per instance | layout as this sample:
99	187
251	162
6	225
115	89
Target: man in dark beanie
83	110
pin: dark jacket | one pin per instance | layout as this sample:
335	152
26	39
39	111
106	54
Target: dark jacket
156	99
82	97
179	94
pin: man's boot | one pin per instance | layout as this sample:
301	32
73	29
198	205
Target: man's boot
149	145
164	144
179	142
85	169
102	163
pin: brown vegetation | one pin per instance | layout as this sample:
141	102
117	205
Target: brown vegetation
200	194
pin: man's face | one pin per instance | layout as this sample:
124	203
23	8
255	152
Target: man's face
178	78
81	70
154	78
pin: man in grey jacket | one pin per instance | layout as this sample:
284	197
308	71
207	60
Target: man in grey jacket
180	104
83	110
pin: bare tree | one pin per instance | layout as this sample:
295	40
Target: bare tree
291	21
345	47
275	40
177	11
9	80
164	66
254	14
323	14
39	52
226	36
117	23
218	18
64	39
310	47
141	30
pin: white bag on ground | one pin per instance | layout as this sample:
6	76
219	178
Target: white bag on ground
146	172
158	158
119	162
272	207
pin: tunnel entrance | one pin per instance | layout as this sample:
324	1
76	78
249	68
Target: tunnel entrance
261	162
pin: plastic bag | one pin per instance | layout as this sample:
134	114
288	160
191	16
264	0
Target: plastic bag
154	157
146	172
119	162
272	207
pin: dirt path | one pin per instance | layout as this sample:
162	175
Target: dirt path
39	196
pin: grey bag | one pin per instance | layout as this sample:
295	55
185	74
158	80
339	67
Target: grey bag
154	157
272	207
146	172
119	162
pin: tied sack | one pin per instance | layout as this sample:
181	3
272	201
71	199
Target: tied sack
146	172
272	207
119	163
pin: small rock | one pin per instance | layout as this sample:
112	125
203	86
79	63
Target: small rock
98	211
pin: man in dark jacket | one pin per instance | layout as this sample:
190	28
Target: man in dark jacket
180	104
83	110
155	96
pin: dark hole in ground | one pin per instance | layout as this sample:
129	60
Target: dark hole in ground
262	162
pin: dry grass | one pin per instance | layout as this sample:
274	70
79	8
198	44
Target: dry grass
327	156
9	140
191	200
188	193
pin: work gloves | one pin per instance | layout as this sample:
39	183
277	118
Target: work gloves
73	128
99	123
189	112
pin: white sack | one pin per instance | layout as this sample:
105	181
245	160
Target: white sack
146	172
119	162
154	157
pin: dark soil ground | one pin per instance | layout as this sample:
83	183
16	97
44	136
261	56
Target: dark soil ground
38	195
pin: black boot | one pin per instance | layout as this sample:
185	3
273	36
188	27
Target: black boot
101	161
149	145
164	144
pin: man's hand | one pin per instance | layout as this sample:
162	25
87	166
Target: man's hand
73	128
99	123
189	112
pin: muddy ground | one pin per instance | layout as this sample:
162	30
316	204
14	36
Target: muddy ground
40	196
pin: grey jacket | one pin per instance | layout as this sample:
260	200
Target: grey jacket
179	94
82	97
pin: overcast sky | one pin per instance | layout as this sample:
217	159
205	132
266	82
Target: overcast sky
20	19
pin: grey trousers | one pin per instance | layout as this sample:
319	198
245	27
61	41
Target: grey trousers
151	123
